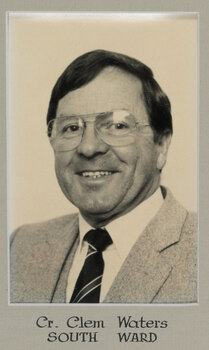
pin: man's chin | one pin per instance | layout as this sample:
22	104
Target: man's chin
96	207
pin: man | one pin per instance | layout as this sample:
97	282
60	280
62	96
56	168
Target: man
110	126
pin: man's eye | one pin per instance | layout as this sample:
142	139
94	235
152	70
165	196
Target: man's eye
115	126
70	128
120	126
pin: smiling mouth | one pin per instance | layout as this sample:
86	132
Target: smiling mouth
95	174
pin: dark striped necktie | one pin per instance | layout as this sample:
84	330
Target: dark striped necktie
88	285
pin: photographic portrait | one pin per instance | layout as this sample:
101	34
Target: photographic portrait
102	143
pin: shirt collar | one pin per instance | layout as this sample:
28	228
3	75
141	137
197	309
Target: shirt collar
125	230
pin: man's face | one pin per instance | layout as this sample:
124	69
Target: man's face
128	174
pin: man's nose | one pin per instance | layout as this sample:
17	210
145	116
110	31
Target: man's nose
90	144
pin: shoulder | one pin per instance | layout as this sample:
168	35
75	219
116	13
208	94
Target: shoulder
189	233
173	209
184	220
178	233
36	257
50	229
191	221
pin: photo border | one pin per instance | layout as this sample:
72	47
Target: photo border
18	332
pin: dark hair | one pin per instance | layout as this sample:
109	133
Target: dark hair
86	67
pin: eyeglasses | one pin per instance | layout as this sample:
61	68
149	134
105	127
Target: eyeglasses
115	128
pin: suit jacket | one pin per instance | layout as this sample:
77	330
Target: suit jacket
160	268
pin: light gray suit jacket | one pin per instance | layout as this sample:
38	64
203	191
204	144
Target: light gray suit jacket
160	268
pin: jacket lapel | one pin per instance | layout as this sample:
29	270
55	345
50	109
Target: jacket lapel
52	252
146	269
65	261
59	295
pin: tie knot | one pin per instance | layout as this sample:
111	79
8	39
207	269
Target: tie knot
98	238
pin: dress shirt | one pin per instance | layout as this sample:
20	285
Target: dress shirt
124	232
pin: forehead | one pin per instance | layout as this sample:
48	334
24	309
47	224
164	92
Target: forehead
111	89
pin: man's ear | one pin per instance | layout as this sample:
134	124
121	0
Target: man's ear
163	145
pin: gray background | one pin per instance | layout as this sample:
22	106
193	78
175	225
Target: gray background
187	325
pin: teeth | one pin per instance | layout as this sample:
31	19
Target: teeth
96	174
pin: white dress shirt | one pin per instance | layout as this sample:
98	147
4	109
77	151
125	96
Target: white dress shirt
124	232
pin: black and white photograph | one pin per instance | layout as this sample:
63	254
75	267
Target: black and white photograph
103	175
102	145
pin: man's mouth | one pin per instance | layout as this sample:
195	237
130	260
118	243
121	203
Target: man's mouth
95	174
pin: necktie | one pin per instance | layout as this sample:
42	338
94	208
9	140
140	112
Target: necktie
88	285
